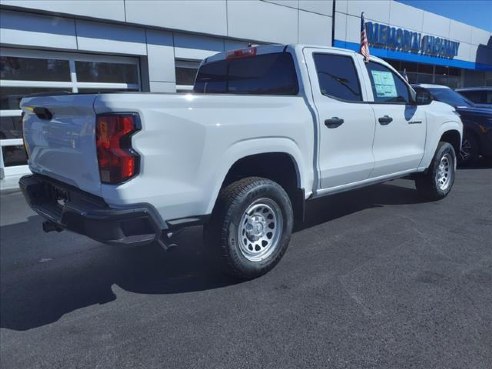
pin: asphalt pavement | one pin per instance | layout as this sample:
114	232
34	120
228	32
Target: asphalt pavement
375	278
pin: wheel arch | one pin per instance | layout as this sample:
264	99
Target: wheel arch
452	137
450	131
283	164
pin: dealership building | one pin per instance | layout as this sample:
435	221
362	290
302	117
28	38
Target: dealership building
139	45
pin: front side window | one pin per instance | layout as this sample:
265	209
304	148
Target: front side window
267	74
337	77
387	86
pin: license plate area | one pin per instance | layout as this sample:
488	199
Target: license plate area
57	196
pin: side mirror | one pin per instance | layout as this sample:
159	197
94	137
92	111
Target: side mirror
423	97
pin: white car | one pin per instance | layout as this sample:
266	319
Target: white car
265	130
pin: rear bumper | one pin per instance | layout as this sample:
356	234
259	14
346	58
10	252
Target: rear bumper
67	207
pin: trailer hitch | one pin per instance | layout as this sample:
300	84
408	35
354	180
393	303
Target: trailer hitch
166	239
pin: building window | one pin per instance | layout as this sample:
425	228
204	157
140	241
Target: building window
24	72
186	71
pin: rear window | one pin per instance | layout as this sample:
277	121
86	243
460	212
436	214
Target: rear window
267	74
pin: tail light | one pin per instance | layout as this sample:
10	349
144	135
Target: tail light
117	160
241	53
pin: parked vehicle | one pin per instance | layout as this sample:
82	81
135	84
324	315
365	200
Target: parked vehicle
477	122
266	129
480	96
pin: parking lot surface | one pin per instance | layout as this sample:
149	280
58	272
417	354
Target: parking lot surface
376	278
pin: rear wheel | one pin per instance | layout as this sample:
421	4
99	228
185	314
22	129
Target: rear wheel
436	182
251	226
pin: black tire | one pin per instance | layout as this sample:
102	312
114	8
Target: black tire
436	182
246	260
469	150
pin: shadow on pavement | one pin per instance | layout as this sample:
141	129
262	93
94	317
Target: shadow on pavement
331	207
39	293
42	292
482	163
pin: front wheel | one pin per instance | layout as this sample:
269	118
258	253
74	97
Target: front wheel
251	226
436	182
469	150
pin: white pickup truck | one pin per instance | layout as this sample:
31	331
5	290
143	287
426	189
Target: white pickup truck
266	129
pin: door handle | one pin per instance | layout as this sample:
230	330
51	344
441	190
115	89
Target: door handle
334	122
385	120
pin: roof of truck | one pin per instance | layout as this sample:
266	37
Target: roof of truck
271	48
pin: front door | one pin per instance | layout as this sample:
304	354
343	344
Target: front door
399	139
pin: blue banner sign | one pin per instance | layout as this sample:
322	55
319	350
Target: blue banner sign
380	35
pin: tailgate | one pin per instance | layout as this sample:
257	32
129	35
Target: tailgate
59	132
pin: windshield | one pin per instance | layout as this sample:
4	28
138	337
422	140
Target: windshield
450	97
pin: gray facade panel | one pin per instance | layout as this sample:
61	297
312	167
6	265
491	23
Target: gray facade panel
262	21
406	16
37	30
160	53
340	26
436	25
168	87
324	7
204	16
112	38
196	47
378	11
289	3
465	51
480	36
315	29
104	9
341	6
460	32
353	29
234	44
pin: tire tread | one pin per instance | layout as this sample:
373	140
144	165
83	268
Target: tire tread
217	231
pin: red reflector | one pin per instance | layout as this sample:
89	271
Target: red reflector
241	53
116	158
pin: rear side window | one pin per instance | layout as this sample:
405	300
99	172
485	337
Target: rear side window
387	87
267	74
337	76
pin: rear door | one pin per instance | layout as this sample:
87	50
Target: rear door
399	138
59	133
346	124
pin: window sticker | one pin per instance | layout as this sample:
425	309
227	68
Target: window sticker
384	83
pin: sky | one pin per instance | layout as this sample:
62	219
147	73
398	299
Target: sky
476	13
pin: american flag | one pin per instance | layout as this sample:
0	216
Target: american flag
364	44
